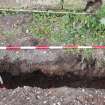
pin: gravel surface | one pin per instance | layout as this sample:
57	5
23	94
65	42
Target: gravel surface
55	96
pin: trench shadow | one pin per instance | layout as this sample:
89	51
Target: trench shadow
38	79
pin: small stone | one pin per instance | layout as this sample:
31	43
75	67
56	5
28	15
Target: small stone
28	98
37	97
83	90
58	103
45	102
27	31
90	95
102	21
17	52
53	97
54	103
1	80
45	52
38	92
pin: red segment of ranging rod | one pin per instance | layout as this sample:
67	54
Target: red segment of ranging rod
41	47
99	47
70	46
11	47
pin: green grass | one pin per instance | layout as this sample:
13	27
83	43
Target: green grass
69	29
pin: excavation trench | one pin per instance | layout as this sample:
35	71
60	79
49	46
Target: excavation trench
51	68
38	79
58	67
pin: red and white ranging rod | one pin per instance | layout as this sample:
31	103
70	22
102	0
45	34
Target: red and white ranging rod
49	47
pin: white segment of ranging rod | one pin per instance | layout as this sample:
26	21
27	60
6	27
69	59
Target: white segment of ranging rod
85	47
55	47
27	47
3	48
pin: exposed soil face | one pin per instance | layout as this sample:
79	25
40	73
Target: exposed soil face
46	77
38	79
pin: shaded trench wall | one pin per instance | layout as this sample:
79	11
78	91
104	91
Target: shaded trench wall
45	4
